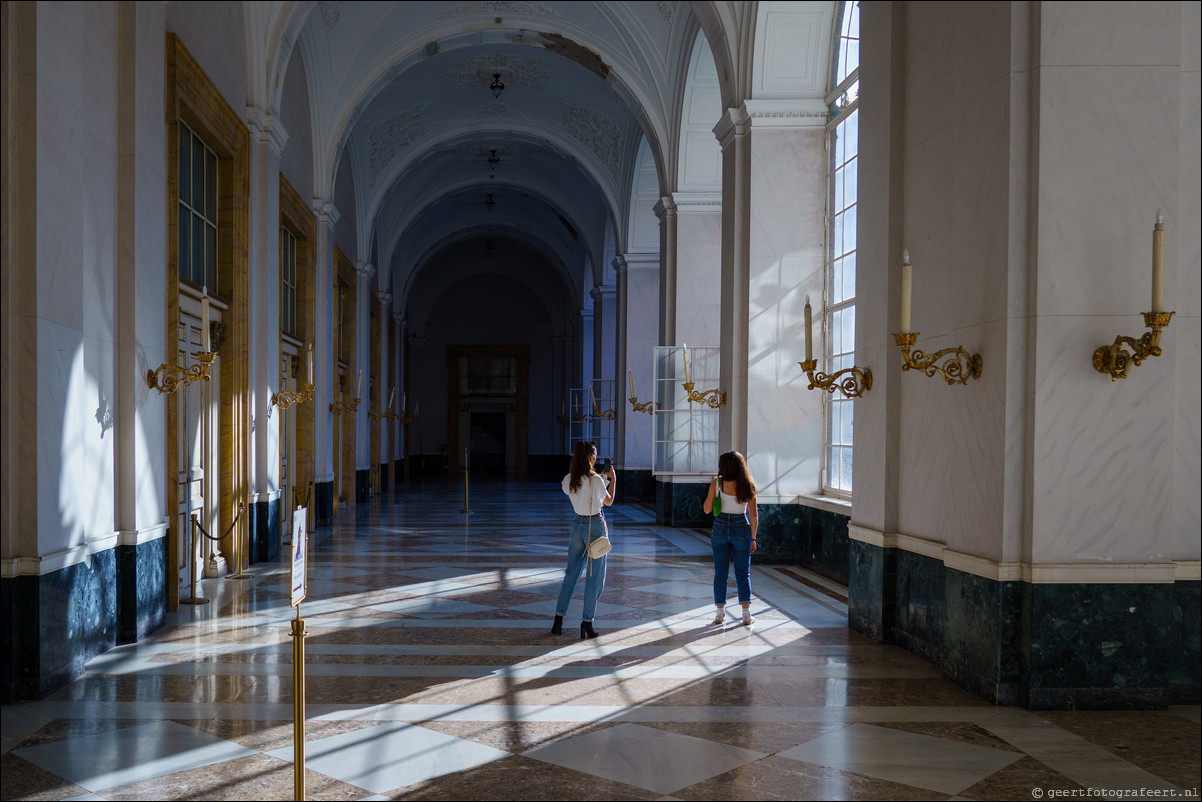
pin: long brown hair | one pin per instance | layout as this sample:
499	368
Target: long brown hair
580	465
733	468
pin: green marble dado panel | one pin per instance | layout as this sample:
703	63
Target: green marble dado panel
1185	666
141	589
1101	646
982	635
871	599
56	622
636	486
679	504
921	604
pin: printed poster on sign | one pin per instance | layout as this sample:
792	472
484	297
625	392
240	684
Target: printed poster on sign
298	555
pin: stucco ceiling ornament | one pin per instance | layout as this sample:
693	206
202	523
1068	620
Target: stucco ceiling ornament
497	110
667	10
391	135
596	131
500	8
514	71
329	14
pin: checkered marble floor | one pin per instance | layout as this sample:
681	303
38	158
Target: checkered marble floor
431	673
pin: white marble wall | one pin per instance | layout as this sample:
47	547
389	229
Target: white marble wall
642	335
1186	334
698	269
211	32
788	202
150	285
1024	179
1101	178
76	250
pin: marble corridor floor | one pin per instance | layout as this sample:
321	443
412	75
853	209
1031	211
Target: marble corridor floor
431	674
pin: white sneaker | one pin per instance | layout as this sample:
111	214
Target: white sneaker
747	619
720	617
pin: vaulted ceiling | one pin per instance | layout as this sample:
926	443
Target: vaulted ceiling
400	95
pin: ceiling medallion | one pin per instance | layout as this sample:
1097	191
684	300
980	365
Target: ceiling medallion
497	86
489	202
493	161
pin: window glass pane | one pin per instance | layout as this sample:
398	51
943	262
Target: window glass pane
198	249
845	435
211	259
211	185
185	237
849	275
185	161
198	176
845	469
849	229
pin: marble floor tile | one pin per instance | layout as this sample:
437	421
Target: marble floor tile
131	754
901	757
657	760
392	755
431	673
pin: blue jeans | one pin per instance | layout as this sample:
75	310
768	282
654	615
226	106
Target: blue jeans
577	554
731	539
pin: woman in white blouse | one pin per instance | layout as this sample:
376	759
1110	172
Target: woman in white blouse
733	537
589	492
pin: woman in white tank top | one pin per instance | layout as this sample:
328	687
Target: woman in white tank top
589	492
733	537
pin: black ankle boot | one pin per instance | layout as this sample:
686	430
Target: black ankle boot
586	630
557	627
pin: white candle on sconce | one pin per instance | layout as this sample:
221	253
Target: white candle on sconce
809	323
204	320
593	397
391	396
1158	263
309	379
687	374
906	291
630	380
358	384
404	401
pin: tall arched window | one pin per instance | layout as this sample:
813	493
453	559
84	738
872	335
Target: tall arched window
839	318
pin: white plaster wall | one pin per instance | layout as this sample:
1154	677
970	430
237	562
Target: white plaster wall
150	285
956	203
211	31
1187	299
76	256
788	203
874	474
698	276
296	161
1103	470
642	335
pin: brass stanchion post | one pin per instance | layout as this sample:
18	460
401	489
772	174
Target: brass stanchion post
298	703
241	548
193	599
467	508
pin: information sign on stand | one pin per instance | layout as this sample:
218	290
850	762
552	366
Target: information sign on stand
298	556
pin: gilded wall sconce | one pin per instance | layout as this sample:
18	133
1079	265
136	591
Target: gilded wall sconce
962	365
711	398
1113	359
598	413
649	407
169	378
855	383
353	404
285	399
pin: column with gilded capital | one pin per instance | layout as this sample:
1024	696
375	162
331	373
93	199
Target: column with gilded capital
732	132
267	141
323	367
384	389
364	271
622	302
665	210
